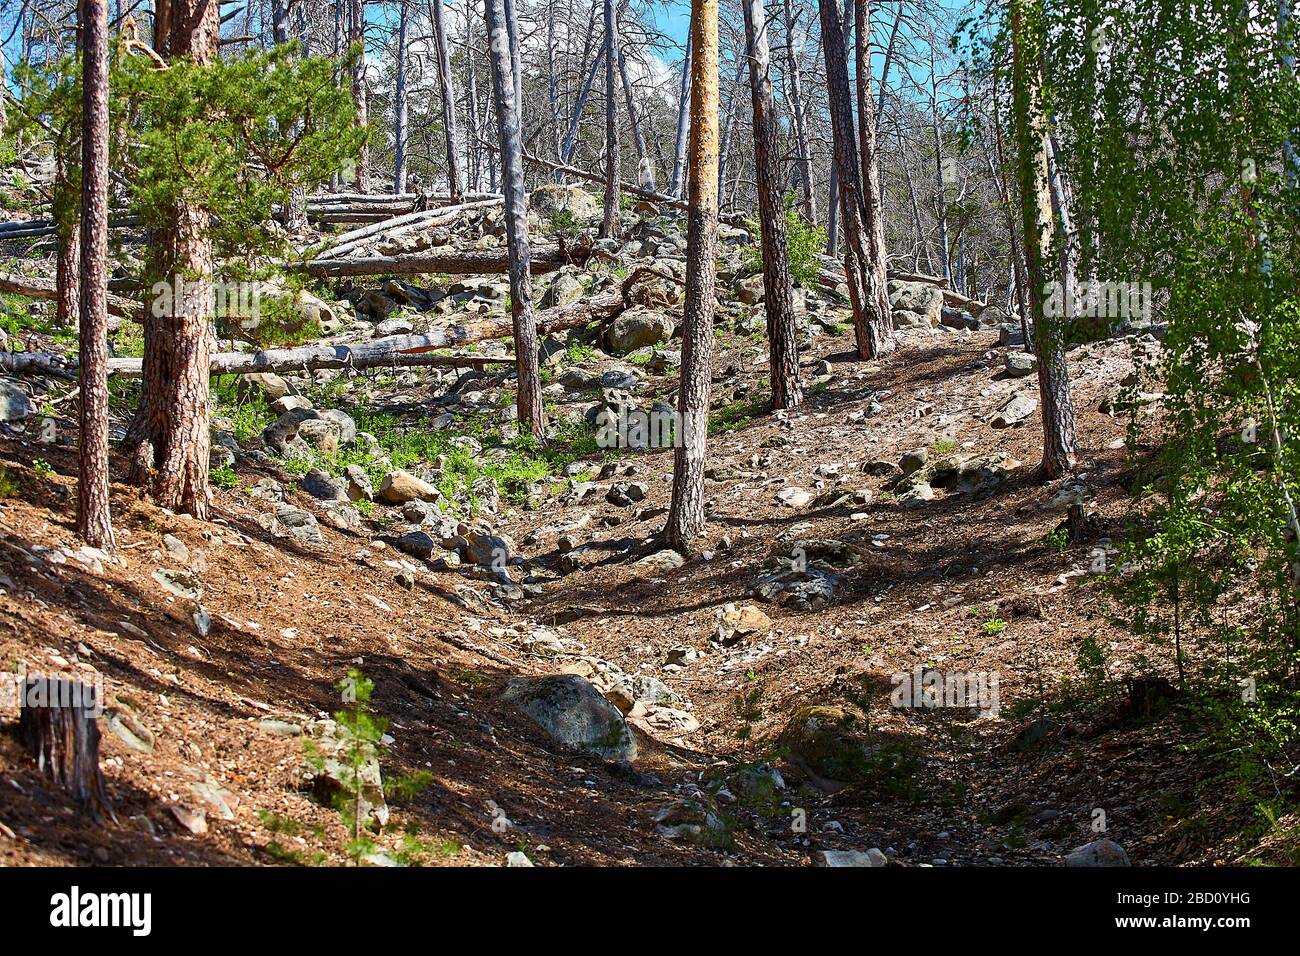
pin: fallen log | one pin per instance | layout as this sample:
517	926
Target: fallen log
396	351
659	199
46	289
426	218
468	262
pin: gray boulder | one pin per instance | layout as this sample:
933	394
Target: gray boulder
574	714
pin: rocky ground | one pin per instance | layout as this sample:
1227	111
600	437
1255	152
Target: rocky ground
576	694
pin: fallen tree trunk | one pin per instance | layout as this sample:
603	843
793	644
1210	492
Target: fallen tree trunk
46	289
415	220
468	262
659	199
396	351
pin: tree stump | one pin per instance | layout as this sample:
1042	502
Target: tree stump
57	725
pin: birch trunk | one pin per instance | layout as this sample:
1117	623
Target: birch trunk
455	181
609	226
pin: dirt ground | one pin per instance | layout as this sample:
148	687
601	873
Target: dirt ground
962	582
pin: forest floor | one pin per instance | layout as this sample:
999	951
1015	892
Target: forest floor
203	745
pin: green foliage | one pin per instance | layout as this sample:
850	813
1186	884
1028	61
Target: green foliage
9	483
803	244
224	477
359	731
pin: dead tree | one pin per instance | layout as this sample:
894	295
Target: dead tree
501	52
794	86
401	110
360	95
58	727
455	179
683	126
93	519
778	299
609	226
686	511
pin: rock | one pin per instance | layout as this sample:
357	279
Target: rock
488	550
358	482
1101	852
801	589
288	403
321	434
872	857
128	728
1012	335
794	497
916	495
518	858
565	290
267	385
175	549
1021	364
399	487
624	493
661	562
551	198
913	460
329	777
750	291
322	486
637	328
574	714
183	584
300	524
902	319
419	544
920	298
1014	410
957	319
824	740
15	406
736	622
693	821
394	326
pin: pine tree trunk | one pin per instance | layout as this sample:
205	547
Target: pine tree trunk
172	425
295	214
782	336
504	89
875	278
683	127
1059	443
609	226
686	512
471	89
803	161
870	324
94	522
67	236
833	205
455	178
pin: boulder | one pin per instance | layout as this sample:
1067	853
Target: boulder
552	198
1021	364
399	487
1101	852
637	328
1014	410
574	714
14	403
920	298
750	291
